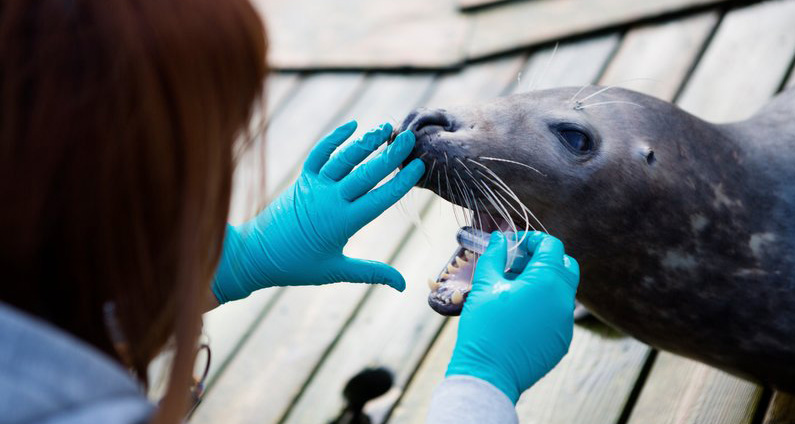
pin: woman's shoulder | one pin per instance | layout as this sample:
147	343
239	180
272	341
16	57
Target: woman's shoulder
49	376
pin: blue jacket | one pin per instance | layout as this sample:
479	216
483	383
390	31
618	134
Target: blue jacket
48	376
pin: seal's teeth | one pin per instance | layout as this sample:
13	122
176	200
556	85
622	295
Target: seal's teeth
444	276
469	255
457	298
451	268
460	262
433	285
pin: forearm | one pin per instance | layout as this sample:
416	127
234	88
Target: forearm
464	400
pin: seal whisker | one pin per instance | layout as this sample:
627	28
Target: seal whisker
428	174
581	106
513	162
465	201
498	206
527	224
578	103
533	80
574	97
506	216
510	192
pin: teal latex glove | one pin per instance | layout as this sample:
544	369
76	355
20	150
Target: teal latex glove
516	328
298	239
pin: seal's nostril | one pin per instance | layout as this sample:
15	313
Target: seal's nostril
431	121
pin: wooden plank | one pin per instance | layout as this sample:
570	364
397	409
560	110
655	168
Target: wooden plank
682	391
249	172
395	331
655	59
745	63
572	64
309	112
472	4
781	409
413	407
591	384
414	404
287	344
364	33
520	24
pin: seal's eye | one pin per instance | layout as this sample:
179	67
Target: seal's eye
575	138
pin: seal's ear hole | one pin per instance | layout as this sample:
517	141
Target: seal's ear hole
650	158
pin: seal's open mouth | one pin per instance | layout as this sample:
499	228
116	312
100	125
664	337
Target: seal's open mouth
452	286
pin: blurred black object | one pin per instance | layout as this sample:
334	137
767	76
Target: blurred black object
363	387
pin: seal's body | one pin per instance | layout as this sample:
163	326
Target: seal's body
685	230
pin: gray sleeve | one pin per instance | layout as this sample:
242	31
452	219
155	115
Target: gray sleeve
464	400
120	410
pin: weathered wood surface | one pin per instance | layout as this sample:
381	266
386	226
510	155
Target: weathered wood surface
681	391
413	406
470	4
521	24
249	176
378	34
395	332
781	409
570	64
655	59
364	33
294	330
745	63
678	389
311	111
284	348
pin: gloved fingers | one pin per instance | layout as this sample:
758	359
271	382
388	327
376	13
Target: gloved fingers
365	177
490	267
370	272
374	203
351	155
326	146
546	249
571	265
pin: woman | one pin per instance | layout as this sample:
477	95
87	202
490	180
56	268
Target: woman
118	127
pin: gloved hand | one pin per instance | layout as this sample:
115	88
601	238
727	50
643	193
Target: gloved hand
298	239
515	329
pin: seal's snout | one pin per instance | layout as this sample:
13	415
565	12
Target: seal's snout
424	122
430	126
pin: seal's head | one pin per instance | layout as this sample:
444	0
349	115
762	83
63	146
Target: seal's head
577	163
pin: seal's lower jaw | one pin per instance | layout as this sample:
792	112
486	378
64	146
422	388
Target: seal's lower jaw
451	287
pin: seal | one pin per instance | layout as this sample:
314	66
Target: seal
684	229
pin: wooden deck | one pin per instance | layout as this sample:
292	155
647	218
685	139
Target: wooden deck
284	354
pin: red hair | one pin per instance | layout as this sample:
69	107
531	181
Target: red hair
117	126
